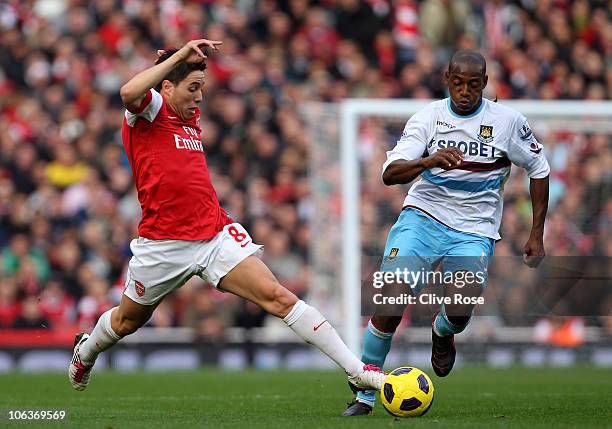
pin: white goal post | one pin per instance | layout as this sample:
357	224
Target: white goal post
585	116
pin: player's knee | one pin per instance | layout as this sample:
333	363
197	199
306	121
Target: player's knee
282	301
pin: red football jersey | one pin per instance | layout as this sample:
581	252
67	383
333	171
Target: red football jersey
176	194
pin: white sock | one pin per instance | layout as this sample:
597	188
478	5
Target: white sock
312	327
102	337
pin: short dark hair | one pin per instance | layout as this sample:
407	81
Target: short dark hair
468	56
180	71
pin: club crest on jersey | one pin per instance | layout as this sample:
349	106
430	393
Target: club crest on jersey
140	289
393	253
486	133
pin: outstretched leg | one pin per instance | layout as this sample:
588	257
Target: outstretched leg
251	279
112	325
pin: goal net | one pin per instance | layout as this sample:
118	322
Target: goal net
353	210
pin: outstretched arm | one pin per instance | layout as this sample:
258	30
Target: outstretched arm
534	248
135	90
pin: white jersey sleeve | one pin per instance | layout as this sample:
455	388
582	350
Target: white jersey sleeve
413	142
525	151
149	108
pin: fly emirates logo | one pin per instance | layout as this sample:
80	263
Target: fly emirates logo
191	142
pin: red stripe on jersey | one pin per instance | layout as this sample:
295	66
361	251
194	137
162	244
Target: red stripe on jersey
482	166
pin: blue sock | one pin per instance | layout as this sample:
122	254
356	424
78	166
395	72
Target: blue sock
376	346
443	327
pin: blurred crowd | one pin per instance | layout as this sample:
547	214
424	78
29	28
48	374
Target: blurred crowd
68	208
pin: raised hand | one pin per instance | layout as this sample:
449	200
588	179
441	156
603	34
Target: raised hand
193	51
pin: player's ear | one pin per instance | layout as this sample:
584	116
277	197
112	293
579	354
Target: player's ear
446	77
485	81
167	86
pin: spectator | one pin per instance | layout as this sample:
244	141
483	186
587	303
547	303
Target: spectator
31	316
67	206
10	306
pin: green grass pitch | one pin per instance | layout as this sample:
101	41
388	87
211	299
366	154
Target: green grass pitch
471	397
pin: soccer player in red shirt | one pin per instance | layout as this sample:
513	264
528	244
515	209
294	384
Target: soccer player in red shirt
184	232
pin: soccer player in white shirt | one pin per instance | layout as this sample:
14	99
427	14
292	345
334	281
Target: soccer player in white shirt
462	148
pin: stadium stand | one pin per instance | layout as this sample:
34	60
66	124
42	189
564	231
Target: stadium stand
68	209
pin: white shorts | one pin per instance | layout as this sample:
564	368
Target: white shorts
160	266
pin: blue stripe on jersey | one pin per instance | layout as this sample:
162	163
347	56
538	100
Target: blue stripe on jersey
464	185
450	110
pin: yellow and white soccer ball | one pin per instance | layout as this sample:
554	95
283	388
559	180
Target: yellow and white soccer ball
407	392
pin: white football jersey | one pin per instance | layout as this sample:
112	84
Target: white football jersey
468	197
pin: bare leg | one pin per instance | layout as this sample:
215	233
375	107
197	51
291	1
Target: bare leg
113	325
252	280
